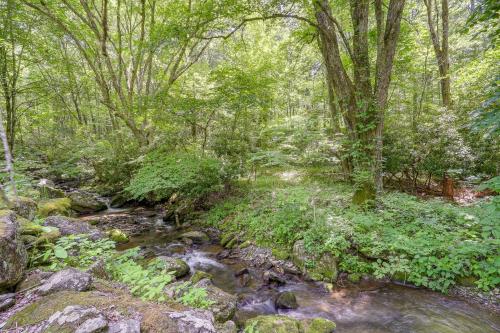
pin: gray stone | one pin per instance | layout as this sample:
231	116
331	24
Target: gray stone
13	256
76	319
92	325
228	327
72	226
67	279
7	303
84	202
193	321
224	304
125	326
25	207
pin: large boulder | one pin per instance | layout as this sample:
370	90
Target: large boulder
67	279
48	189
13	256
24	207
176	265
59	206
72	226
78	319
284	324
323	268
84	202
190	321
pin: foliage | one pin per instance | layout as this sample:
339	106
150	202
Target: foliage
146	282
195	297
161	175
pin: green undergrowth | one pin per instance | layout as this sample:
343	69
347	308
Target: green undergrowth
429	243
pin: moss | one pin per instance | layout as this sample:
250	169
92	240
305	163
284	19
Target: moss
226	238
30	228
281	254
50	235
245	244
118	236
364	195
273	324
200	275
232	243
318	325
60	206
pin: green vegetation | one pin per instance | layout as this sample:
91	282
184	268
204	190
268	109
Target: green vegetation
195	297
430	243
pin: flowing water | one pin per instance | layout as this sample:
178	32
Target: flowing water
386	308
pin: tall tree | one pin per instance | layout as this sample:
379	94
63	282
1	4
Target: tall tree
440	43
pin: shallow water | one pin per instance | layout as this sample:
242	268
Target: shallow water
388	308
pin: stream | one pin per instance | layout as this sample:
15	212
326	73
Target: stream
381	308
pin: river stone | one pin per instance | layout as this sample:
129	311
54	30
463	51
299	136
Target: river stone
125	326
192	321
67	279
176	265
228	327
84	202
72	226
325	268
13	256
286	300
200	275
197	237
224	304
318	325
7	301
77	319
51	207
24	207
273	324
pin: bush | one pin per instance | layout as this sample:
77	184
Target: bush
161	175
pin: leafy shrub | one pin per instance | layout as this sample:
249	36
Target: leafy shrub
195	297
161	175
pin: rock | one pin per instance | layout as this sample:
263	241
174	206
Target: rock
241	272
71	226
197	237
318	325
271	277
60	206
32	279
7	301
228	327
84	202
98	269
286	300
77	319
29	228
24	207
48	189
283	324
226	239
325	268
192	321
224	304
245	244
13	256
200	275
176	265
125	326
49	235
118	200
273	324
67	279
118	236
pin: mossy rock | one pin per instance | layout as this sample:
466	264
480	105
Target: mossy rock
49	235
226	238
175	265
29	228
200	275
318	325
59	206
245	244
118	236
23	206
232	243
273	324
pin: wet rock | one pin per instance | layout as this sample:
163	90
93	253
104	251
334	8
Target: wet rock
223	254
60	206
197	237
25	207
71	226
270	277
118	236
84	202
118	200
200	275
224	304
67	279
325	268
7	301
176	248
125	326
176	265
273	324
13	256
241	272
191	321
318	325
76	319
286	300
